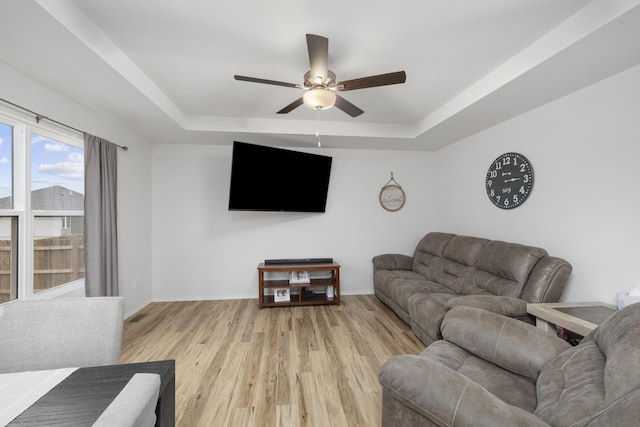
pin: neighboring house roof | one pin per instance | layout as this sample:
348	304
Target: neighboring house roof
55	198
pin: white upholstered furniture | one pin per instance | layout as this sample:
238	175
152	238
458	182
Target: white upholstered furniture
60	333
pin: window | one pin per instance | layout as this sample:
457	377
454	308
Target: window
41	208
8	224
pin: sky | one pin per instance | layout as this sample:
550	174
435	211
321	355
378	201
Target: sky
52	163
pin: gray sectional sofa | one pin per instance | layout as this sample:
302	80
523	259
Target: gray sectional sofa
448	270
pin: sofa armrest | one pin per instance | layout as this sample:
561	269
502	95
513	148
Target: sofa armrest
514	345
392	262
135	405
547	280
444	397
506	306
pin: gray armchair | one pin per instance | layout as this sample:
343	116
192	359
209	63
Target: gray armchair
494	371
60	333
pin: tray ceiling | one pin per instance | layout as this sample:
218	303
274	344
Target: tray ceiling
165	68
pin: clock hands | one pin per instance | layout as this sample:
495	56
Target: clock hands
509	180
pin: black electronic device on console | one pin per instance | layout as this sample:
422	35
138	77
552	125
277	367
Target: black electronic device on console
307	294
298	261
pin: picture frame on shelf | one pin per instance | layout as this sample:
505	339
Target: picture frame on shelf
281	295
297	277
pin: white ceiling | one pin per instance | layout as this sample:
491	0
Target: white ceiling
165	67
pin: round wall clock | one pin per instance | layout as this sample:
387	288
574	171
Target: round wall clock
509	180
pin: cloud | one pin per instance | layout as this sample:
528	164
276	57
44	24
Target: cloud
68	170
35	138
76	157
56	147
4	160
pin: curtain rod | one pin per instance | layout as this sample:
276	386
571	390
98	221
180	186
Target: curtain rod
41	117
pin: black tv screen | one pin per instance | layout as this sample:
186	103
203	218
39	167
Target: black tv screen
274	179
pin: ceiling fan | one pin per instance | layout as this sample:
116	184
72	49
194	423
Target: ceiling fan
320	82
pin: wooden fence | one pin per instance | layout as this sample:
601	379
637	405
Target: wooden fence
56	261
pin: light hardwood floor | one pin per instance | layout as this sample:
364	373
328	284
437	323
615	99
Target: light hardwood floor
237	365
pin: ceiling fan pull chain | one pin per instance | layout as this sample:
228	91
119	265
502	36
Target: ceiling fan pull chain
318	127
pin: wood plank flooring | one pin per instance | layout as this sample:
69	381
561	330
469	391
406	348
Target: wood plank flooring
237	365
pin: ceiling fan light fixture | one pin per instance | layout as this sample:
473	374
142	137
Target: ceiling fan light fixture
320	83
319	98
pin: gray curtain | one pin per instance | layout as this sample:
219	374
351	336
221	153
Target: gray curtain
100	216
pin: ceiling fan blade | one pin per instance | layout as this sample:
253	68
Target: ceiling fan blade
373	81
265	81
347	107
295	104
318	47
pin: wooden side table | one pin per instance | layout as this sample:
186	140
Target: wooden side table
578	317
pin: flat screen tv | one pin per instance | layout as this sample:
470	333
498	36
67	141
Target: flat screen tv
274	179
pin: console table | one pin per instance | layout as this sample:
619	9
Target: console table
295	290
578	317
82	397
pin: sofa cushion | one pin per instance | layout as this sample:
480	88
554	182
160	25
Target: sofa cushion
512	388
444	258
464	250
387	280
401	289
416	391
502	269
458	261
510	344
426	257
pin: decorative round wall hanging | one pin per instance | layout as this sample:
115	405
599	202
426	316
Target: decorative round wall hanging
509	180
392	196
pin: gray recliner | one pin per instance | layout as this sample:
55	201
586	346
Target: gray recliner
494	371
60	333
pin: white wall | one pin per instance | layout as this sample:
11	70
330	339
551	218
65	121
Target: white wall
134	177
584	206
134	223
585	203
178	241
201	250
